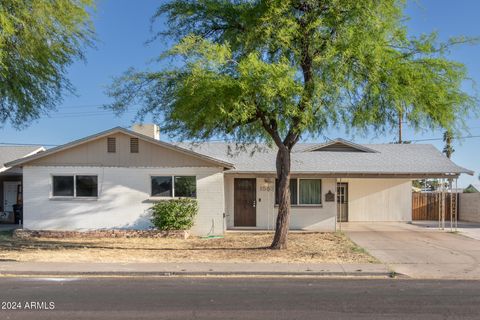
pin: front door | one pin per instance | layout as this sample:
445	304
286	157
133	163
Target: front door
245	211
10	190
342	202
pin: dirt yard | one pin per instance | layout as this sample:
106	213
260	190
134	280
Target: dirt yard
241	247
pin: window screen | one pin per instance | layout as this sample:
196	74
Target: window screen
63	186
162	187
86	186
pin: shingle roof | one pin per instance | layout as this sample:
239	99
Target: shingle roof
375	159
10	153
394	159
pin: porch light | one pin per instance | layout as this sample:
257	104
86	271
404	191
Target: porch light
268	180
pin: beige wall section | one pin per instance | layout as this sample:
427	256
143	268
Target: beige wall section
379	199
321	218
469	207
95	153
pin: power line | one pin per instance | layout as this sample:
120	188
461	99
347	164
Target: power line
55	145
28	144
81	115
437	139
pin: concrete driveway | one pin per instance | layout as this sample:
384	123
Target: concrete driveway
419	250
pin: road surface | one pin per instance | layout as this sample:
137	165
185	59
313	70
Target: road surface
237	298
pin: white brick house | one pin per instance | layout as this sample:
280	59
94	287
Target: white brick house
111	179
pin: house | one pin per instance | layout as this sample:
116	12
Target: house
472	188
111	179
11	179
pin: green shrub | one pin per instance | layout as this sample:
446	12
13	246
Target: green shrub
176	214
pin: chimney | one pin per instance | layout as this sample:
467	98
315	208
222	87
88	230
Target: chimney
148	129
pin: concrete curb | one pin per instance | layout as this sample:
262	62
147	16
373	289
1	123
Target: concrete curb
203	273
195	269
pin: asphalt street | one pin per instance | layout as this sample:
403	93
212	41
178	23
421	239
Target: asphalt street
237	298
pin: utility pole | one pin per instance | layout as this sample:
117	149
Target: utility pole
400	141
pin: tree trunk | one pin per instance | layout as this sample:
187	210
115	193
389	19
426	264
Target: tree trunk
400	118
283	217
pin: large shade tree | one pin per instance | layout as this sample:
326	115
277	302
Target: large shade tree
275	71
39	39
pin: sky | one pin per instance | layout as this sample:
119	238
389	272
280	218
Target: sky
123	27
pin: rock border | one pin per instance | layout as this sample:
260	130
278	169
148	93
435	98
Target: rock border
103	233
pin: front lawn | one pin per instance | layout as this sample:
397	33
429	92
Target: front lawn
235	247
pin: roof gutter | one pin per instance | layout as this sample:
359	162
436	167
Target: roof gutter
332	174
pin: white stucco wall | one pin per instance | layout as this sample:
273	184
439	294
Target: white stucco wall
318	218
379	199
123	199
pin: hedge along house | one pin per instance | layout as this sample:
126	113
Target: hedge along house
111	179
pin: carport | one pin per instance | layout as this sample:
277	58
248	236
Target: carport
440	206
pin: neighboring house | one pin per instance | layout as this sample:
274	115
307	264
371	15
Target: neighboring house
111	179
11	179
472	188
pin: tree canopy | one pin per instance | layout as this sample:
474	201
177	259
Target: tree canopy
279	70
38	40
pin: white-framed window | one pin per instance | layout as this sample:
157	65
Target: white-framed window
303	191
174	186
74	186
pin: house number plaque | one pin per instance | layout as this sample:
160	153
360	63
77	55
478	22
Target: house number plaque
329	197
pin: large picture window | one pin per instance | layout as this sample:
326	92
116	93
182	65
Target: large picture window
78	186
310	191
303	191
174	186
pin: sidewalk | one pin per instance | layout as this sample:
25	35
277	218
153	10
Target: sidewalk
172	269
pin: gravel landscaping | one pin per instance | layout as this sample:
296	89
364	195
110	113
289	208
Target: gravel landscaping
234	247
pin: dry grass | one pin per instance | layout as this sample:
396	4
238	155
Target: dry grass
241	247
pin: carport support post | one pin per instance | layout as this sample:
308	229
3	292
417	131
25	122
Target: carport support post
456	203
439	204
443	204
450	182
339	197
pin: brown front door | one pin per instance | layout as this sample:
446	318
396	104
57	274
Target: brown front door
245	211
